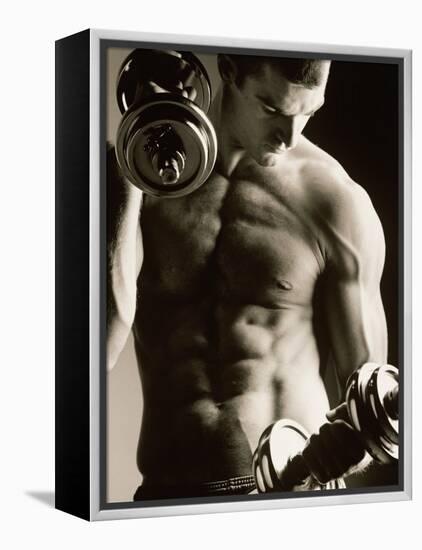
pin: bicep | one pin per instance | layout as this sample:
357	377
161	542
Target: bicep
354	306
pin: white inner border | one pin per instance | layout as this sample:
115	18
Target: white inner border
139	512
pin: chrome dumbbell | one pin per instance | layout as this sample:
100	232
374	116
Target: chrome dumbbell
165	143
372	410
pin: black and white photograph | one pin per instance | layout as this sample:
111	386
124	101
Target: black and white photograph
254	288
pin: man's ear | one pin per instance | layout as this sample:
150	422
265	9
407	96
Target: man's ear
227	68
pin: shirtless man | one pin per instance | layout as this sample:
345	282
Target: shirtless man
226	289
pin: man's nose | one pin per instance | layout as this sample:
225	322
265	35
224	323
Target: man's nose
290	131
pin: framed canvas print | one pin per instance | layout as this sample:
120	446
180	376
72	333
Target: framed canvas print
233	274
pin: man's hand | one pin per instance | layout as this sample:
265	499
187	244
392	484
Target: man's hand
288	459
334	451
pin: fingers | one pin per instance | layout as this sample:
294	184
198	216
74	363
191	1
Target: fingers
332	452
339	413
191	93
150	87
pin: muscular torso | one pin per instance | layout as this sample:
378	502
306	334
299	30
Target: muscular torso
224	329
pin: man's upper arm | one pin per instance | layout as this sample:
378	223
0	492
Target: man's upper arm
355	252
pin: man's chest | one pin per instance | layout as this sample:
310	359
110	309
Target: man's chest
241	238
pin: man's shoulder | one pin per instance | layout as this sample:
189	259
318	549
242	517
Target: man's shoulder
329	188
310	152
321	171
342	212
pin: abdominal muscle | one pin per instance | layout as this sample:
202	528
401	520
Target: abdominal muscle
214	377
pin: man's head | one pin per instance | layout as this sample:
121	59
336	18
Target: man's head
270	100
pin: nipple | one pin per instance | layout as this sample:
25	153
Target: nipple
282	284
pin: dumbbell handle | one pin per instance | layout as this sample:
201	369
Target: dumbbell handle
296	471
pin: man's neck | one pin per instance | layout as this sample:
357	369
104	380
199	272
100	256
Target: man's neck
230	153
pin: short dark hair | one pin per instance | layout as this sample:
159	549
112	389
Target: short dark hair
307	72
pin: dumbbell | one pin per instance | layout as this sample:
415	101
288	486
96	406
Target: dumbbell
372	410
165	143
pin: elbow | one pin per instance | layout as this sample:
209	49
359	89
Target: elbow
113	354
120	319
117	334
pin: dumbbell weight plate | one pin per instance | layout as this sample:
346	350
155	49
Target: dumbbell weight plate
359	413
386	380
142	168
386	450
356	393
362	415
287	439
194	130
262	466
279	443
165	68
201	82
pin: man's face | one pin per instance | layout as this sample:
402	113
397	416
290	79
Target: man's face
268	113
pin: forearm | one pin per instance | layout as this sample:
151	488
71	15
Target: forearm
378	332
124	255
358	331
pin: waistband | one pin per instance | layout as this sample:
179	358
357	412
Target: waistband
240	485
